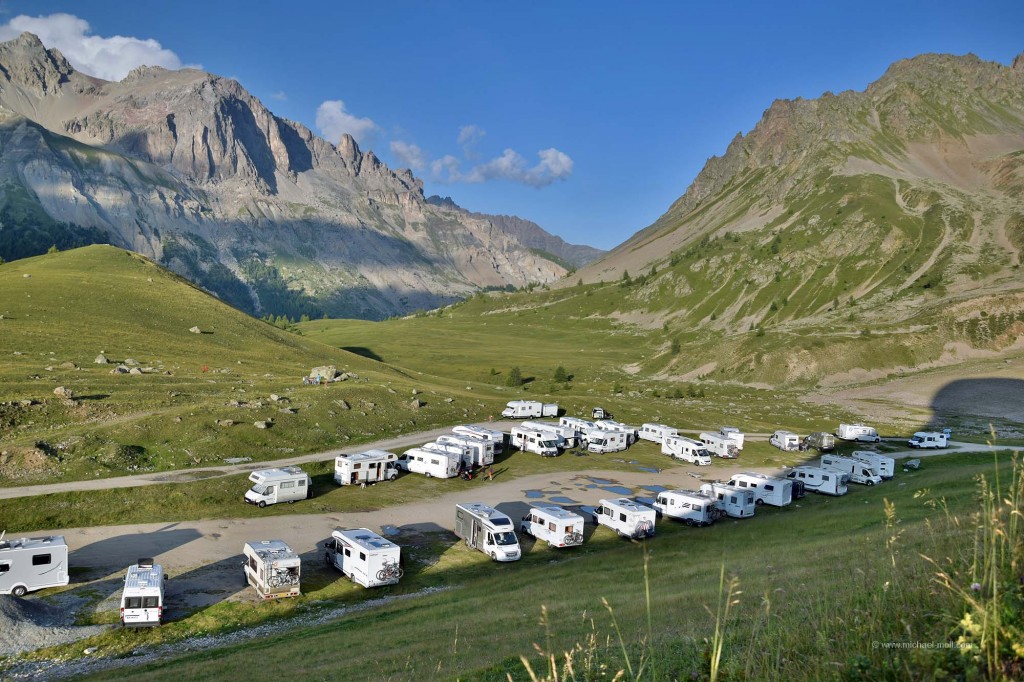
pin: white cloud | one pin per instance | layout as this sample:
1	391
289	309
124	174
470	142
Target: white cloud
445	169
280	96
409	155
553	166
469	136
108	58
333	121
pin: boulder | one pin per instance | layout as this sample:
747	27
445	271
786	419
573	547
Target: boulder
196	330
264	424
416	403
62	392
343	404
325	373
225	422
135	370
101	359
68	365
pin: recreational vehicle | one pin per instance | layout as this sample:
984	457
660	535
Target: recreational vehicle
364	556
691	507
718	445
365	467
549	410
271	486
686	449
490	435
567	437
611	425
142	599
734	433
600	413
928	439
480	452
785	440
523	409
544	443
882	465
430	463
600	441
272	568
581	426
858	432
816	479
556	526
777	492
735	502
820	441
627	518
859	472
30	564
657	433
488	530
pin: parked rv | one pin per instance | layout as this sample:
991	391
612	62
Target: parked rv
820	441
523	409
627	518
657	433
556	526
543	443
430	463
600	413
777	492
477	452
272	568
816	479
488	530
882	465
735	502
365	467
600	441
473	431
785	440
928	439
271	486
734	433
611	425
858	432
567	437
30	564
718	445
581	426
142	599
858	471
686	449
364	556
691	507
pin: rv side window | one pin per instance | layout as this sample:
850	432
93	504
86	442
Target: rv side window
4	567
552	527
41	560
356	465
825	477
434	461
150	603
769	487
362	556
622	517
302	483
348	552
287	484
133	603
732	498
252	563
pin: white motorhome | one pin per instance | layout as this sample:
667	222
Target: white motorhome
881	464
556	526
627	518
488	530
735	502
785	440
142	599
271	486
365	467
430	463
543	443
523	409
600	441
686	449
858	432
720	446
734	433
657	433
478	452
549	410
858	471
30	564
816	479
272	568
611	425
580	426
567	437
364	556
777	492
482	433
928	439
689	506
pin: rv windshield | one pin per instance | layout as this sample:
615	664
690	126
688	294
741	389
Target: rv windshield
550	444
703	453
259	489
505	538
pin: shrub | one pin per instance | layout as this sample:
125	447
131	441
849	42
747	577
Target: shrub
515	378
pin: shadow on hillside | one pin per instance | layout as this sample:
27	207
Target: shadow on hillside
97	396
363	352
994	398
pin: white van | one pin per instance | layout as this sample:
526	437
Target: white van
30	564
777	492
881	464
928	439
430	463
523	409
556	526
580	426
657	433
477	452
858	432
816	479
859	472
627	518
611	425
365	467
735	502
689	506
482	433
271	486
567	437
686	449
272	568
488	530
142	599
543	443
787	441
367	558
600	441
733	433
720	446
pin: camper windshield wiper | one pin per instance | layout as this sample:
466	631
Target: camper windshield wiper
506	538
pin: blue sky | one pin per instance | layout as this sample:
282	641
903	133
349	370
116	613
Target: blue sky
589	118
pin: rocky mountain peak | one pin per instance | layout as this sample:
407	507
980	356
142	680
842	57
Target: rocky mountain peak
1018	62
26	62
348	148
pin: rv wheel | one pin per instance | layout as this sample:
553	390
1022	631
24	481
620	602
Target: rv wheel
262	504
19	591
870	482
494	556
428	475
758	502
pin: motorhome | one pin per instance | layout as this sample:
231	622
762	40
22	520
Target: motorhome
600	413
718	445
549	410
488	530
523	409
777	492
29	564
734	433
365	467
735	502
627	518
367	558
480	452
928	439
611	425
689	506
581	426
816	479
858	432
556	526
490	435
533	425
568	437
657	433
271	486
859	472
881	464
785	440
599	441
820	441
142	599
686	449
430	463
543	443
272	568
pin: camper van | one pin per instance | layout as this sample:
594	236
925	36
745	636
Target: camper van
30	564
364	556
488	530
365	467
734	433
556	526
882	465
600	441
271	486
691	507
657	433
581	426
142	599
567	437
859	472
820	441
611	425
522	409
490	435
430	463
928	439
816	479
686	449
718	445
785	440
777	492
477	452
627	518
858	432
735	502
544	443
600	413
272	568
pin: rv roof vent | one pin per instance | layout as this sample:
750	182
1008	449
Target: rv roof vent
146	562
363	537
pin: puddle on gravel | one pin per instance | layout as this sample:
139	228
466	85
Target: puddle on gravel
533	494
650	469
563	500
617	489
654	488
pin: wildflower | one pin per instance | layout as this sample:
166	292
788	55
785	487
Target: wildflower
975	587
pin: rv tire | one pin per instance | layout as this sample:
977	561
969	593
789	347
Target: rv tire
261	504
494	556
870	482
689	522
759	502
428	474
19	591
